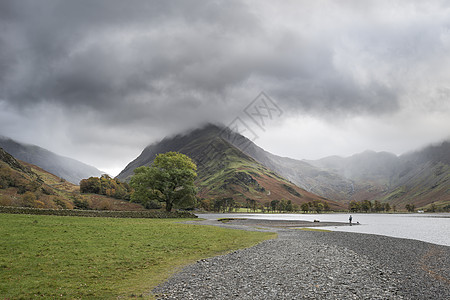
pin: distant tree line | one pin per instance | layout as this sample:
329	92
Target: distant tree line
315	205
410	207
280	206
224	204
377	206
105	185
368	206
434	208
228	204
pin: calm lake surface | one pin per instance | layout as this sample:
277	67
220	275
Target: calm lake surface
431	228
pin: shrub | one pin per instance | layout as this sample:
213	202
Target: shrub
60	203
21	189
105	205
38	204
5	201
80	203
47	190
33	186
28	199
3	183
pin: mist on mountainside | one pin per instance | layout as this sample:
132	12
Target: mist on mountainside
420	177
63	167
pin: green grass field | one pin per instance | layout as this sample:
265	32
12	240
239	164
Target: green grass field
76	257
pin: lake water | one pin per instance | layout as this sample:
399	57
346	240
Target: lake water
431	228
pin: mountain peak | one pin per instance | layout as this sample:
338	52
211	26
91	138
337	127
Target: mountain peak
224	171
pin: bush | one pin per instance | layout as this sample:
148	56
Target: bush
38	204
28	199
152	205
3	183
21	189
33	186
61	203
47	190
105	205
5	201
80	203
105	185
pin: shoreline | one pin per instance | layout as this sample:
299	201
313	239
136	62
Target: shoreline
430	228
282	223
313	264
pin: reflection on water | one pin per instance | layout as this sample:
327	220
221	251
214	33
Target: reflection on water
431	228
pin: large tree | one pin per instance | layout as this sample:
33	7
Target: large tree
170	179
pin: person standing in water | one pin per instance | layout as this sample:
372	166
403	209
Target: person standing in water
350	220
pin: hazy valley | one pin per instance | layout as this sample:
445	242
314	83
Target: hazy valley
233	168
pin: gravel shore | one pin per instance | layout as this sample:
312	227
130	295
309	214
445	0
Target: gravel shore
318	265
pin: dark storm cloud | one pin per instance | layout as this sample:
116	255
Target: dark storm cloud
100	54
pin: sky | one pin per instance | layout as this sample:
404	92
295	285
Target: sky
100	80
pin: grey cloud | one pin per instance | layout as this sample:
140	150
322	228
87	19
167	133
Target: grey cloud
74	53
142	62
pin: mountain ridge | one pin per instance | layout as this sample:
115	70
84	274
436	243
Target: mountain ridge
67	168
419	177
23	184
223	170
299	172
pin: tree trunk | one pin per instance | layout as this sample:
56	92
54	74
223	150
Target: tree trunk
169	206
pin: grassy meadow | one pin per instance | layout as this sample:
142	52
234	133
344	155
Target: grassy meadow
77	257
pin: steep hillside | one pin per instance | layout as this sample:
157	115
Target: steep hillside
224	170
24	184
63	167
419	178
369	165
423	178
311	178
371	173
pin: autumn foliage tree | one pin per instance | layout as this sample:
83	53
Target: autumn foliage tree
105	185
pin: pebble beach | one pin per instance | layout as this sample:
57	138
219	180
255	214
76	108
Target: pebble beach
303	264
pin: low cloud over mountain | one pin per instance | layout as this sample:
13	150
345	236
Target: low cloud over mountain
111	75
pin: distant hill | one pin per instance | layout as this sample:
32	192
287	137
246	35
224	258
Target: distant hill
24	184
224	170
18	179
421	177
371	173
63	167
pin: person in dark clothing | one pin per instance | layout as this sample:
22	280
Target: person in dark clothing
350	220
